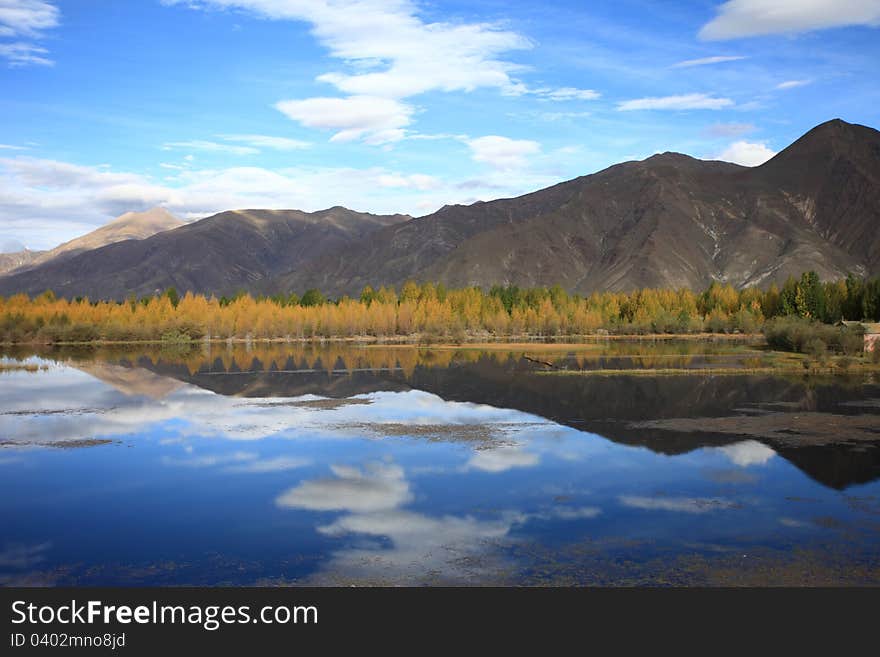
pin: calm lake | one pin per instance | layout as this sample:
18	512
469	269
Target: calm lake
613	463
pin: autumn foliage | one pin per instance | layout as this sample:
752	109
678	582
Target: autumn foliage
427	311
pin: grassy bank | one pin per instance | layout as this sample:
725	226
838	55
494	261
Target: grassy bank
481	341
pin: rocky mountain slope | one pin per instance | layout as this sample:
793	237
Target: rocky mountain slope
129	226
670	220
220	254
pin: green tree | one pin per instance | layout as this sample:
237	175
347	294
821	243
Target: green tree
855	292
787	296
810	296
312	297
368	295
173	296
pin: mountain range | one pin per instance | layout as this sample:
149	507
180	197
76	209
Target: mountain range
668	221
129	226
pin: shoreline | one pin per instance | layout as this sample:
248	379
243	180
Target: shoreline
421	341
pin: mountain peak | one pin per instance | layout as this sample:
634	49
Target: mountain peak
155	216
670	156
671	159
812	153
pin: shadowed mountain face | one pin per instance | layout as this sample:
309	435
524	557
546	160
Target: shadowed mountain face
221	254
668	221
129	226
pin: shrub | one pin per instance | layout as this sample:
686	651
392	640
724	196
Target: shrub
804	336
78	333
816	348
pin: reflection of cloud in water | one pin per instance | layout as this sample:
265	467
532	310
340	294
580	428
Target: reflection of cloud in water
239	462
794	523
33	405
501	459
276	464
210	460
576	513
422	547
677	504
20	556
377	487
418	548
747	452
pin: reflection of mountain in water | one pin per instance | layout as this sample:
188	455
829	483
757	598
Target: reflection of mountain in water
131	381
606	405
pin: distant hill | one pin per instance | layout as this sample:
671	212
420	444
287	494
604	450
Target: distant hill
670	220
220	254
129	226
17	259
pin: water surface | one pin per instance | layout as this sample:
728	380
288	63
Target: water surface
340	464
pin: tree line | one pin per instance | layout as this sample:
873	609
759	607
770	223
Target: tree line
432	311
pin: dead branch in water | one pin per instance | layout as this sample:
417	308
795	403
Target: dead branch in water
540	362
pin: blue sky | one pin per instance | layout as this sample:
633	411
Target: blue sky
396	105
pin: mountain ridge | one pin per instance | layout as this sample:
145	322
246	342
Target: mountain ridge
220	254
670	220
127	226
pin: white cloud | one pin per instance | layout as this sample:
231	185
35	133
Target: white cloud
791	84
416	56
10	147
417	181
212	146
683	102
729	129
704	61
11	246
562	116
503	152
24	54
392	54
26	19
44	202
252	144
749	154
377	120
746	18
268	141
567	93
